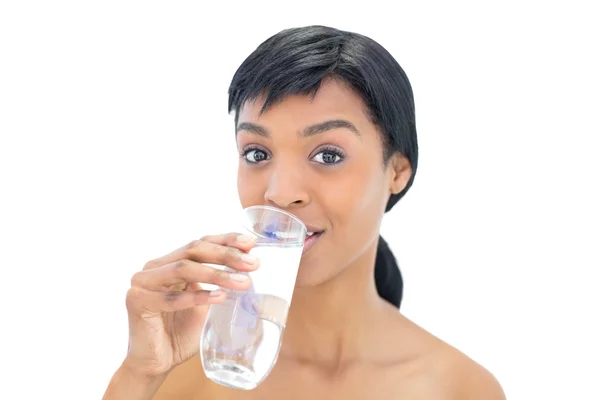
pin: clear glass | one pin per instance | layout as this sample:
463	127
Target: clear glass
242	336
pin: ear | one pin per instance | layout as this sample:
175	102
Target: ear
400	172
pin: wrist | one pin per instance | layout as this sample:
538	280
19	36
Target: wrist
130	369
128	383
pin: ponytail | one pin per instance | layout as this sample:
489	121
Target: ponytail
388	278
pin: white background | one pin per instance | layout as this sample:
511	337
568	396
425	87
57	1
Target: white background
116	148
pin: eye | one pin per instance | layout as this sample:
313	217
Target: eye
254	156
329	156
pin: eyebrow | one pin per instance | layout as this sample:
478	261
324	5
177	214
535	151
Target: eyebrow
311	130
252	128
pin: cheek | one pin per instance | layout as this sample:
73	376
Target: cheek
356	198
249	190
369	210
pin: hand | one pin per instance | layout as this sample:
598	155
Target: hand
167	306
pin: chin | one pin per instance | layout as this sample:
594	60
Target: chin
310	274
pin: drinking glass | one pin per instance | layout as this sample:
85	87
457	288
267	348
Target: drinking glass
241	337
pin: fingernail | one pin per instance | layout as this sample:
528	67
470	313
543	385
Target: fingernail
249	259
245	240
238	277
214	293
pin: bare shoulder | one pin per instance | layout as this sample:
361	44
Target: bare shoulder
472	381
448	372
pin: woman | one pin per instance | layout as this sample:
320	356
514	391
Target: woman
325	128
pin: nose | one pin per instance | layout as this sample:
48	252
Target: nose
286	187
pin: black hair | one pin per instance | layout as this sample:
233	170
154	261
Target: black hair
296	61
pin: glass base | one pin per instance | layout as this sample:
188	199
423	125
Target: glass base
232	375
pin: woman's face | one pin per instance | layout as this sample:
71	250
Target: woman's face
322	160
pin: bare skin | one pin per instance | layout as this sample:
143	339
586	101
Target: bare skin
342	341
418	366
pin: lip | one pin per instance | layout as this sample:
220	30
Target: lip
312	228
310	241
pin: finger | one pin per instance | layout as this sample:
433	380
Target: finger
150	301
218	249
191	286
180	272
234	239
178	287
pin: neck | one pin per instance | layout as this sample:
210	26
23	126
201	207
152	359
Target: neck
333	323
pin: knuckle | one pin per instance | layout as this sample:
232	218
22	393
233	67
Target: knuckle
220	275
191	246
136	279
134	297
219	254
180	265
232	237
149	265
195	249
171	297
235	255
230	254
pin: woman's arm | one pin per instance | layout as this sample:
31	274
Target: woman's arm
127	385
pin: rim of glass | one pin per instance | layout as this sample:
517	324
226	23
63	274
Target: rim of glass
279	210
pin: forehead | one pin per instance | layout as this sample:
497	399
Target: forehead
332	100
